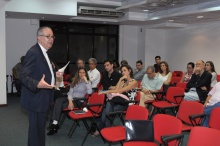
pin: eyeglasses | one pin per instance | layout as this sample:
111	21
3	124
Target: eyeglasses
48	37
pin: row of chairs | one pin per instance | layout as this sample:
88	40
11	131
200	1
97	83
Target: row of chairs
95	107
168	129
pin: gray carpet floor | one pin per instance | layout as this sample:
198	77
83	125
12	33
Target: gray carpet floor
14	129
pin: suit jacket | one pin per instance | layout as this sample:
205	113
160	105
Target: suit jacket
35	65
198	82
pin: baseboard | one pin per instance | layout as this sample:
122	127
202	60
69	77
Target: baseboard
3	105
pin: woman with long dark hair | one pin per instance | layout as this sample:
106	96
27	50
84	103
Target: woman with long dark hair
209	66
80	86
124	91
166	75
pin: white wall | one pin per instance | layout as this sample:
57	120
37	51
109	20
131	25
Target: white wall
2	55
154	45
128	44
193	43
141	45
20	36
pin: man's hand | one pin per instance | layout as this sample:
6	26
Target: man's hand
204	88
43	84
70	106
197	70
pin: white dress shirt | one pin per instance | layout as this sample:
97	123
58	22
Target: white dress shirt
94	77
49	64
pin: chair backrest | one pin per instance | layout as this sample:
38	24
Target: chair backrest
66	77
172	91
174	74
136	112
218	78
181	84
178	73
96	99
139	84
175	80
214	121
203	136
166	125
188	108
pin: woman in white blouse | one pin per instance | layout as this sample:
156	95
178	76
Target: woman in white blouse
209	66
166	75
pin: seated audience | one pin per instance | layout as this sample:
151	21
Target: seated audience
94	74
166	75
209	66
187	75
124	91
80	86
139	72
16	70
151	82
157	65
199	84
212	101
110	77
80	63
116	66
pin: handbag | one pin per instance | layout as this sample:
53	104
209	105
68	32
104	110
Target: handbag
139	130
119	100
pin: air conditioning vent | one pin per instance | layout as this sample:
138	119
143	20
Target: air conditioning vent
95	11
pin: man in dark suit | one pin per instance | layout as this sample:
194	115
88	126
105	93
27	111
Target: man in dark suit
199	84
38	80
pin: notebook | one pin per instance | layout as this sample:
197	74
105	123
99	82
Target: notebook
78	112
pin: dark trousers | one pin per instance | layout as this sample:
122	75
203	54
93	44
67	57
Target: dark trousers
36	133
60	104
18	86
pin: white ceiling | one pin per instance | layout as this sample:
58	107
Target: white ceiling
160	12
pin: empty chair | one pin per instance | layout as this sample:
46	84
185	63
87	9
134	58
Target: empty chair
181	84
175	80
186	113
118	133
214	121
178	73
203	136
163	125
173	98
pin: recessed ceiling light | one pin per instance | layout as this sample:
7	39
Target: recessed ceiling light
199	17
145	10
172	4
171	20
42	17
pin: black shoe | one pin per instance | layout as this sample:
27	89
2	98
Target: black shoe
53	130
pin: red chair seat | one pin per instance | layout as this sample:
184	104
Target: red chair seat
119	133
139	143
81	116
149	101
186	127
164	104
